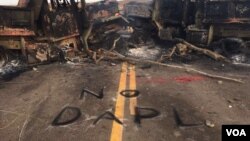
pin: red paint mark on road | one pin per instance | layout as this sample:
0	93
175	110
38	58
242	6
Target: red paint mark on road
187	79
177	79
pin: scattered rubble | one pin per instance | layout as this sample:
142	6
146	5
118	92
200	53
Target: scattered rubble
144	52
148	51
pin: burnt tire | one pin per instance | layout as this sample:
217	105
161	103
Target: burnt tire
3	57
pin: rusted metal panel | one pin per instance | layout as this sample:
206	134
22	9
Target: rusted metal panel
10	43
16	32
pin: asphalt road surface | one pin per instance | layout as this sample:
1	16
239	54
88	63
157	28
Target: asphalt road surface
139	103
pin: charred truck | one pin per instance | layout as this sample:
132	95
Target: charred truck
227	19
45	30
202	21
37	28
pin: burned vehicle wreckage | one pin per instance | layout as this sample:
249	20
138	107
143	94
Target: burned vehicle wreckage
45	30
206	19
36	28
215	24
123	70
40	30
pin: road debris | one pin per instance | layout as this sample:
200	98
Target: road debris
220	82
183	68
145	52
209	124
239	58
207	52
35	69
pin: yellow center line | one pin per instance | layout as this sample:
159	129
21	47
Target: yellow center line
132	86
117	129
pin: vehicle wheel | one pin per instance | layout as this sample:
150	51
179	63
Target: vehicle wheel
3	57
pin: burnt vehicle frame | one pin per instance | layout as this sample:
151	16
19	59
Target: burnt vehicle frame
37	28
105	21
202	21
228	18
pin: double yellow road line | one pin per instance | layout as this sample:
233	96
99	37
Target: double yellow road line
127	70
132	86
